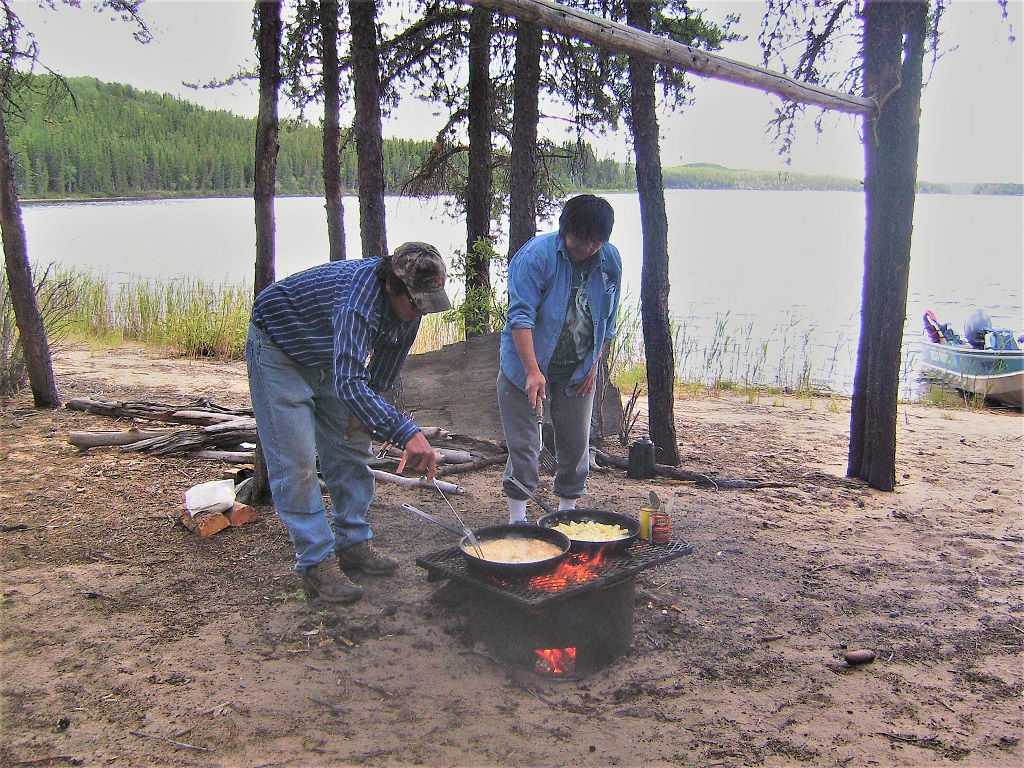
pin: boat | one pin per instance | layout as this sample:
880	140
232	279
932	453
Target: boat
987	363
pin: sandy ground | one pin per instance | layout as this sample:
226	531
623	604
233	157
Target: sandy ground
129	641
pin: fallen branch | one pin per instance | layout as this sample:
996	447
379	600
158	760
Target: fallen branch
181	744
702	480
416	482
228	434
86	440
200	411
228	457
475	464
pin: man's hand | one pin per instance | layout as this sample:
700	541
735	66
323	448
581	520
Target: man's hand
536	389
586	386
419	455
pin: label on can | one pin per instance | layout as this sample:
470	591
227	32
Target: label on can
661	528
645	522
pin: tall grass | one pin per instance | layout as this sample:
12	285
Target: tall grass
733	358
198	319
191	318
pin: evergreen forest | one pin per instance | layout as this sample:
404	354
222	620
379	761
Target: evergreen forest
116	141
127	143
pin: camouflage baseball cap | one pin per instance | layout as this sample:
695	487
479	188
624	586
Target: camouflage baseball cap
421	269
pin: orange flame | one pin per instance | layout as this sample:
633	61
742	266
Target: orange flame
578	568
555	661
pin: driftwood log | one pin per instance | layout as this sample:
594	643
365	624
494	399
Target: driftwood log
701	480
202	411
224	434
86	440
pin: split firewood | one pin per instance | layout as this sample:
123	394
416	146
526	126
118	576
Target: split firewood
205	524
240	514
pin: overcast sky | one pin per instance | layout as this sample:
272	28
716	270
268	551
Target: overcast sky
972	111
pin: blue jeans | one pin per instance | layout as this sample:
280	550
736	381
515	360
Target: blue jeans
300	418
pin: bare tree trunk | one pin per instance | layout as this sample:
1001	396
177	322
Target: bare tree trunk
332	130
894	36
268	19
525	117
654	287
31	329
369	141
479	193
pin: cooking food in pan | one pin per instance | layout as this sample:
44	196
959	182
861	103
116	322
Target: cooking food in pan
590	530
589	524
516	549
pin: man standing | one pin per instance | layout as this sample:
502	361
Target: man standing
563	303
323	345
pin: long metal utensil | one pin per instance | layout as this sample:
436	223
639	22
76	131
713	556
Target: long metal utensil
530	496
540	424
431	518
469	534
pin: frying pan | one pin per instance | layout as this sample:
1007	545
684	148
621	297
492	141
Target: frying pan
553	518
493	532
632	526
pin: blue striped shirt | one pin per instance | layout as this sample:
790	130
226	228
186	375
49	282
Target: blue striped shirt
337	317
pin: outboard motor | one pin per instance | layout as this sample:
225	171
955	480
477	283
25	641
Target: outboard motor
977	325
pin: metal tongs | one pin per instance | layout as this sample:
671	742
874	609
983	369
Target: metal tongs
469	534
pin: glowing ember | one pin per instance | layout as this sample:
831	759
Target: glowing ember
555	661
578	568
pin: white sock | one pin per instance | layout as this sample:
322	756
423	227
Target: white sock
516	511
566	503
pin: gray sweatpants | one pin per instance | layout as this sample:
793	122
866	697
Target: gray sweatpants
570	417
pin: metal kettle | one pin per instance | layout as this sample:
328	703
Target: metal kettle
641	459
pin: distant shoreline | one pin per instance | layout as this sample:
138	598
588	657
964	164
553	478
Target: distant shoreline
937	189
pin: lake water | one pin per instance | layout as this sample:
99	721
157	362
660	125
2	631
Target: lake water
778	274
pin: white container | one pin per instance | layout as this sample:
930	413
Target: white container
214	496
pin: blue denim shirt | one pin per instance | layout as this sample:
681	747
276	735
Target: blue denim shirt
539	278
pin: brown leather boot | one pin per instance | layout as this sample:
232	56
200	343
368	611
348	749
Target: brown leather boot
364	557
326	581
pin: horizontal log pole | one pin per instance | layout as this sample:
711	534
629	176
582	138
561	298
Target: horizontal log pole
621	38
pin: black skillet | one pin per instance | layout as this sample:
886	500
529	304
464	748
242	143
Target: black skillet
553	518
493	532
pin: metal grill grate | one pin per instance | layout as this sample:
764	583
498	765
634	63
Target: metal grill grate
547	587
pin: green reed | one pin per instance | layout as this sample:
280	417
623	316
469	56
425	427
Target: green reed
191	318
194	318
734	358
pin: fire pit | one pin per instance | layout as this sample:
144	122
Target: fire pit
566	622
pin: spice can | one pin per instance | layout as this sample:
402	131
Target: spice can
661	528
645	522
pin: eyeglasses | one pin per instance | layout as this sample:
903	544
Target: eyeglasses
415	304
